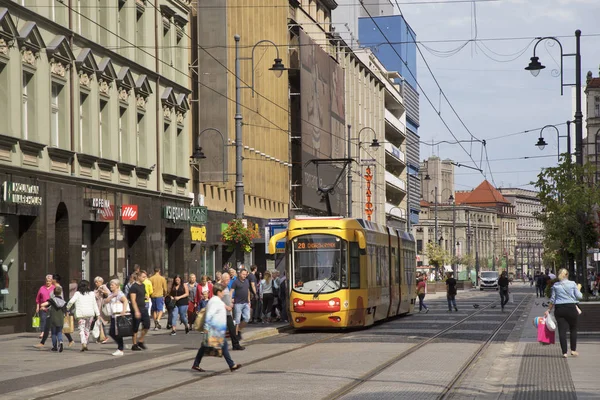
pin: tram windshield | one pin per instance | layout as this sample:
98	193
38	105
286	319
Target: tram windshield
319	263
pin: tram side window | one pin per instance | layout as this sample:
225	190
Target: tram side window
354	266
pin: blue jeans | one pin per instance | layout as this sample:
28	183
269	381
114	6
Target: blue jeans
241	312
56	335
182	311
451	302
226	355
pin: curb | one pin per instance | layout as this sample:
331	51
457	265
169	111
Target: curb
265	333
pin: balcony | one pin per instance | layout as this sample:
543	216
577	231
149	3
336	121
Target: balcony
395	211
395	182
393	122
395	154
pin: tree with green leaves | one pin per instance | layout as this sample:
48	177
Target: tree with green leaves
437	256
468	260
570	198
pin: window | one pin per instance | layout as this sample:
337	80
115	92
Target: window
84	123
167	147
123	139
4	98
180	52
140	37
354	266
28	111
104	14
597	107
181	139
57	117
141	146
122	31
166	44
9	274
104	129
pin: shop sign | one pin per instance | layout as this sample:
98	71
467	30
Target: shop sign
198	233
176	214
128	212
99	203
199	215
21	193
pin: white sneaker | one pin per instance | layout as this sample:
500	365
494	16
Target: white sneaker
117	353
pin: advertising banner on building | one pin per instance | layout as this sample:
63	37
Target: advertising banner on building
323	124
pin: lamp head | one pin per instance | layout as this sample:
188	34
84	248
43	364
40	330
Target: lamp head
427	177
375	144
198	154
278	67
535	66
451	198
541	143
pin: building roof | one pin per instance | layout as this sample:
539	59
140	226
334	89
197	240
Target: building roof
484	195
424	203
460	197
593	83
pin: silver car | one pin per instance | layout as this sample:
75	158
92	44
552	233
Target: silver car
489	280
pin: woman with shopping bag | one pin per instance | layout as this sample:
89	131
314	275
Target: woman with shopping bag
215	325
116	305
565	295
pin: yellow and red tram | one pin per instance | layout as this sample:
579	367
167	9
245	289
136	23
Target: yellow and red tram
346	273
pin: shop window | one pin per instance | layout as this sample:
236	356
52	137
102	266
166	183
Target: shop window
28	113
9	262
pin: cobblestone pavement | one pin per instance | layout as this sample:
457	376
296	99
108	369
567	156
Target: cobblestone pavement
317	365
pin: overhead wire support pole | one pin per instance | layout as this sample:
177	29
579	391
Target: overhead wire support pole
349	171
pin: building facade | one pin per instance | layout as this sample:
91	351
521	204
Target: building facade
591	141
266	133
95	118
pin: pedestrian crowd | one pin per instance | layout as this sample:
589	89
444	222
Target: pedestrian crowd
100	312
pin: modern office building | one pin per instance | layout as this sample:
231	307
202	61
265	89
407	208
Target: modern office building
95	118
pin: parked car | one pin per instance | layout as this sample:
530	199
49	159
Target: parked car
489	280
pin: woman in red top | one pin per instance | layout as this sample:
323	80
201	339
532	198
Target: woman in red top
203	286
421	285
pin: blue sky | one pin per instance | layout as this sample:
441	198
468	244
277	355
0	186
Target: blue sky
489	88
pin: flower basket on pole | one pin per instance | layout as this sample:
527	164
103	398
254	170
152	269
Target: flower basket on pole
238	238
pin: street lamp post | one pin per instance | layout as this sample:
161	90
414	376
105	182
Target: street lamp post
535	67
541	143
374	144
278	68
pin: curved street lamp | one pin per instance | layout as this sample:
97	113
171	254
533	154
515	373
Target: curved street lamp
199	154
374	144
535	66
541	143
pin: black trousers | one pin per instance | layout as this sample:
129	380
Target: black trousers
503	297
566	317
235	342
539	291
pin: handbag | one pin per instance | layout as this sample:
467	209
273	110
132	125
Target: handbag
545	335
551	322
511	298
200	318
95	330
35	321
124	325
69	324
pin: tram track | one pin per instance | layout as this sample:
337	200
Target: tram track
185	382
349	388
451	388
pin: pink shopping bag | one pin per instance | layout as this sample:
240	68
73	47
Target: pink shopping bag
544	335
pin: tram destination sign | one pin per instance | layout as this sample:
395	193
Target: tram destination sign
302	244
21	193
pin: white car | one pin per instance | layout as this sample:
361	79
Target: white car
489	280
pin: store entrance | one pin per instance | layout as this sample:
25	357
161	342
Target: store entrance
135	248
61	249
95	250
174	263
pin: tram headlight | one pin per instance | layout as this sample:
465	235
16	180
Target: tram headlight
331	303
300	302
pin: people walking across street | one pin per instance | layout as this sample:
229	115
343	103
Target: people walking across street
564	298
101	292
137	298
118	306
86	310
421	289
192	286
179	293
503	289
159	290
267	296
240	293
451	292
235	342
56	316
215	326
43	295
46	331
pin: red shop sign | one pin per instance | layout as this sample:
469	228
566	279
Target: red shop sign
129	212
